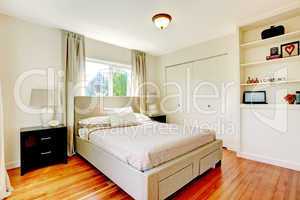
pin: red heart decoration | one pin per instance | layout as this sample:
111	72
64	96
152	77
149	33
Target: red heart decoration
289	49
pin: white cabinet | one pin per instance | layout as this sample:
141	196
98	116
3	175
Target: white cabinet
271	134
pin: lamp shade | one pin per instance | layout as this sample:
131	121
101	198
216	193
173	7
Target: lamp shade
151	97
42	98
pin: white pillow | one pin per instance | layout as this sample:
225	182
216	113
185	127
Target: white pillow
100	121
123	120
112	111
141	118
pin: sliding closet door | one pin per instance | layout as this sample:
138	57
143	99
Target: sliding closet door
175	90
213	104
205	96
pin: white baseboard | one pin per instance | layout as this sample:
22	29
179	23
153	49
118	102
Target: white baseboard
230	148
280	163
12	164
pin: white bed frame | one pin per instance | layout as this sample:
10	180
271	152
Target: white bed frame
157	183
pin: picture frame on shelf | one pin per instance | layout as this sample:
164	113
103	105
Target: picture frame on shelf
289	49
274	51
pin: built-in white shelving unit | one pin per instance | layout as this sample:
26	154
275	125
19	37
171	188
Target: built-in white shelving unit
265	127
253	51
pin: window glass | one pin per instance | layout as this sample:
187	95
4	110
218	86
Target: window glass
106	79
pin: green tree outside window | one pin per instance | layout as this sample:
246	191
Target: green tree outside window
119	83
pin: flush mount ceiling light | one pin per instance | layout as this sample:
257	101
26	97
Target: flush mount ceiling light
162	20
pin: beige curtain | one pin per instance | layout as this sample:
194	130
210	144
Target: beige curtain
5	187
75	79
139	78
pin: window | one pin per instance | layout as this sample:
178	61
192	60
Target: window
107	79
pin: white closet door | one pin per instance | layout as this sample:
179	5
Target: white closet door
175	90
217	110
213	78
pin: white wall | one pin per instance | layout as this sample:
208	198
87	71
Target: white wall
26	46
103	51
224	45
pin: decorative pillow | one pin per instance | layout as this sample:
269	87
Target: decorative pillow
95	122
123	120
112	111
141	118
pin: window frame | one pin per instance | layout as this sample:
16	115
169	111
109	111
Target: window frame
112	66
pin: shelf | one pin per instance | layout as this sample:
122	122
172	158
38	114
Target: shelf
270	83
279	60
270	106
281	38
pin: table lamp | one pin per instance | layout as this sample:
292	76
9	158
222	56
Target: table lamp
44	100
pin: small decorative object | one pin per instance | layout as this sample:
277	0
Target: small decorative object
290	98
256	80
298	97
274	51
273	31
249	80
290	49
271	79
274	54
53	123
281	79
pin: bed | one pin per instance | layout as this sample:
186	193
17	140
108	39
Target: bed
151	165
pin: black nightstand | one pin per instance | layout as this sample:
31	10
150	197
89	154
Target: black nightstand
159	118
42	146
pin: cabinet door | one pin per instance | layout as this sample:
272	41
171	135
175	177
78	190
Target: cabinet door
29	152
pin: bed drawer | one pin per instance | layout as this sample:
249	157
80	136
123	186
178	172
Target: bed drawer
208	161
176	181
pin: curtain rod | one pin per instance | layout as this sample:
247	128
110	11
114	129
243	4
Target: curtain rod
199	59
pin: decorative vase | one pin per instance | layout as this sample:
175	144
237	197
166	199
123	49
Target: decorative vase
290	98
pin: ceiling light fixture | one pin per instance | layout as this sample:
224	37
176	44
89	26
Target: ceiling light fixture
162	20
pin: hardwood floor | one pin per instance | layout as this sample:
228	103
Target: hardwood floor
236	179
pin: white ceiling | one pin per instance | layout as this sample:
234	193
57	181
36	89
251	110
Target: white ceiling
127	23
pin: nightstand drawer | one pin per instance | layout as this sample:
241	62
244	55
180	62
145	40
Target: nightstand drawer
47	142
47	157
46	138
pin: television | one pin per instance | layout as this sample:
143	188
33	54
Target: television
255	97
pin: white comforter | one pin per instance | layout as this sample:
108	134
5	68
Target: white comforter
149	145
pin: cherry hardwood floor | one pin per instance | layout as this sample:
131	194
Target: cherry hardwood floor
236	179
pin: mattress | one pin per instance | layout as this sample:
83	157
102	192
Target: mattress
149	145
